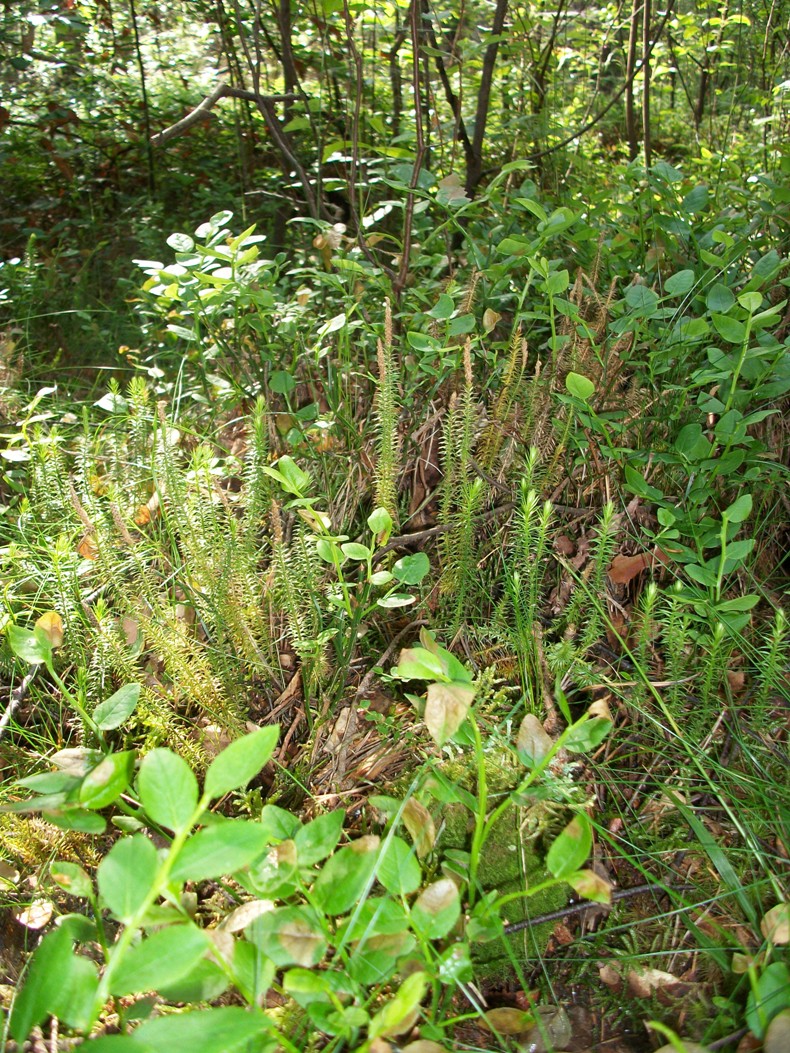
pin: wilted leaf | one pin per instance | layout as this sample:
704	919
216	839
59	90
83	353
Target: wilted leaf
775	926
777	1037
419	822
446	709
533	743
37	915
88	547
242	916
490	319
437	909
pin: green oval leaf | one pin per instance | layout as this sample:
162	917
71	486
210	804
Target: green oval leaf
410	570
570	850
117	708
168	789
240	762
579	386
127	874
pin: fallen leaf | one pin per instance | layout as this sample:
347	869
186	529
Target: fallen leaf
625	568
87	547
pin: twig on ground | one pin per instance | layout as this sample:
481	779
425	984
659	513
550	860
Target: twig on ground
16	699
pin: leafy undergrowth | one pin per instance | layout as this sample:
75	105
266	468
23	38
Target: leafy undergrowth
410	676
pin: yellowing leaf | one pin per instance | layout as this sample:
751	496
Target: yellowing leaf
51	625
446	708
508	1021
592	886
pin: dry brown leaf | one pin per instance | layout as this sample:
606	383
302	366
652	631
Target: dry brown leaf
625	568
87	548
301	942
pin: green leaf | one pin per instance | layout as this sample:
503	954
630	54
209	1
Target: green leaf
127	874
77	819
398	869
464	323
586	736
680	283
168	789
278	824
739	510
31	646
282	383
417	663
240	762
720	299
353	550
228	1029
750	301
107	781
319	838
571	849
729	329
43	984
398	1015
443	308
770	999
696	200
219	850
159	959
380	523
181	242
396	599
204	982
436	910
692	444
579	386
117	708
410	570
345	878
641	299
421	342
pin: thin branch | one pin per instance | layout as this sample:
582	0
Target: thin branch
202	110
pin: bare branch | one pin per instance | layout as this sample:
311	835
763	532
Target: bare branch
201	111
